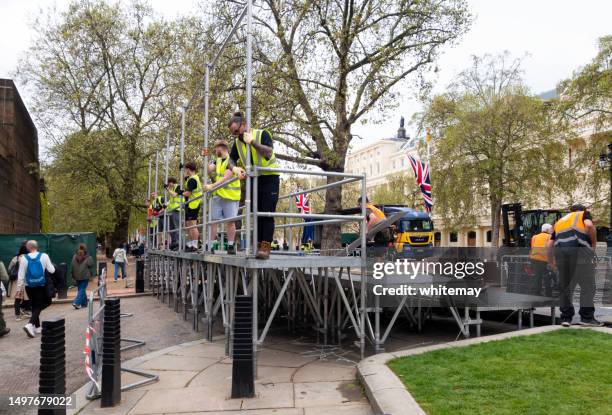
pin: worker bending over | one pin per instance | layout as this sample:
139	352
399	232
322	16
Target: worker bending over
262	154
539	259
573	244
226	199
373	214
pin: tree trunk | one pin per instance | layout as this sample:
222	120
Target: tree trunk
495	220
333	204
120	231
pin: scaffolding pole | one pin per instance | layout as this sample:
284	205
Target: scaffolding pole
205	229
182	176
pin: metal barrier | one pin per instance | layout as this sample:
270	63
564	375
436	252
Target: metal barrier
94	344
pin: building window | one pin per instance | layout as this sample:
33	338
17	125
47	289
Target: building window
453	236
378	167
489	236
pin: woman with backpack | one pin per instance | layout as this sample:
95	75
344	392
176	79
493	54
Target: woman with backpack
81	273
120	261
32	279
21	305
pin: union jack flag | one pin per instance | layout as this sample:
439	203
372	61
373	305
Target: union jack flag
303	203
421	173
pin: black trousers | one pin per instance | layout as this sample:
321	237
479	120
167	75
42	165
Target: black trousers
576	267
267	198
2	322
542	275
40	301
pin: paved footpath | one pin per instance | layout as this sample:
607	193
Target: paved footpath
153	322
294	378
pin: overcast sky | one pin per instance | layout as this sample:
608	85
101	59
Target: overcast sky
558	35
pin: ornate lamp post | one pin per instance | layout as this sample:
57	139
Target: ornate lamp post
606	160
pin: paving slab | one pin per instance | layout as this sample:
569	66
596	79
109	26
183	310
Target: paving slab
268	411
362	409
326	372
273	357
212	350
271	395
128	401
183	400
170	362
168	379
327	393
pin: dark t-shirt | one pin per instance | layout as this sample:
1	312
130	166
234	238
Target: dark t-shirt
587	215
191	184
266	140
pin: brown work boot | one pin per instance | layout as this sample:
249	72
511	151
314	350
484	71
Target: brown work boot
263	250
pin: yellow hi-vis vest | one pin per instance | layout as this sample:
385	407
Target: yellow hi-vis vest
174	202
197	192
538	247
230	191
571	232
256	158
153	219
376	211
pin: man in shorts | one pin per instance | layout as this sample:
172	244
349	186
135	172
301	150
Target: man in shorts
226	199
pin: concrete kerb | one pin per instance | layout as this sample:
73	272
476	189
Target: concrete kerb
386	392
80	394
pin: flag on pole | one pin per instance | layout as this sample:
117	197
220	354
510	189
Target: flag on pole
303	203
421	173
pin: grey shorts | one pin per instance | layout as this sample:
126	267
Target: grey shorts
223	208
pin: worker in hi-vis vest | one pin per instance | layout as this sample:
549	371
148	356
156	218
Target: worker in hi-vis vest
173	211
539	259
226	199
192	192
572	244
262	155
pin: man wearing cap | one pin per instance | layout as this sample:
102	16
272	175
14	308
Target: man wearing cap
573	244
226	199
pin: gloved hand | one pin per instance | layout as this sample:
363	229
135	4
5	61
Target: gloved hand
239	171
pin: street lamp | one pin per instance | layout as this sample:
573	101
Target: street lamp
606	160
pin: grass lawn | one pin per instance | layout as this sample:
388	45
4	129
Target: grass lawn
561	372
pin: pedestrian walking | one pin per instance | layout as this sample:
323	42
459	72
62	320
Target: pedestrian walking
120	261
573	244
3	329
268	182
81	273
226	199
21	304
31	279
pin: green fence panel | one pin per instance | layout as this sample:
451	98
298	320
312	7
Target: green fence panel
59	246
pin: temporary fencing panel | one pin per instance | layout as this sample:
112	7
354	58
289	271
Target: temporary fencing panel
59	246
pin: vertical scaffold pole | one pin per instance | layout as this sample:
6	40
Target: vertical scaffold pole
156	239
205	178
249	84
166	220
363	267
182	177
148	198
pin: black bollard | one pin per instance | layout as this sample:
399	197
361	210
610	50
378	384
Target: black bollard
243	377
52	378
111	354
140	283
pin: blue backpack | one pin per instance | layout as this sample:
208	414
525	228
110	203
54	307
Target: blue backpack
35	274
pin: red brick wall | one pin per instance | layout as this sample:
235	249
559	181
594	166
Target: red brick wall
19	178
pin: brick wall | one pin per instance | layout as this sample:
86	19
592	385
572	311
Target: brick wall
19	178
